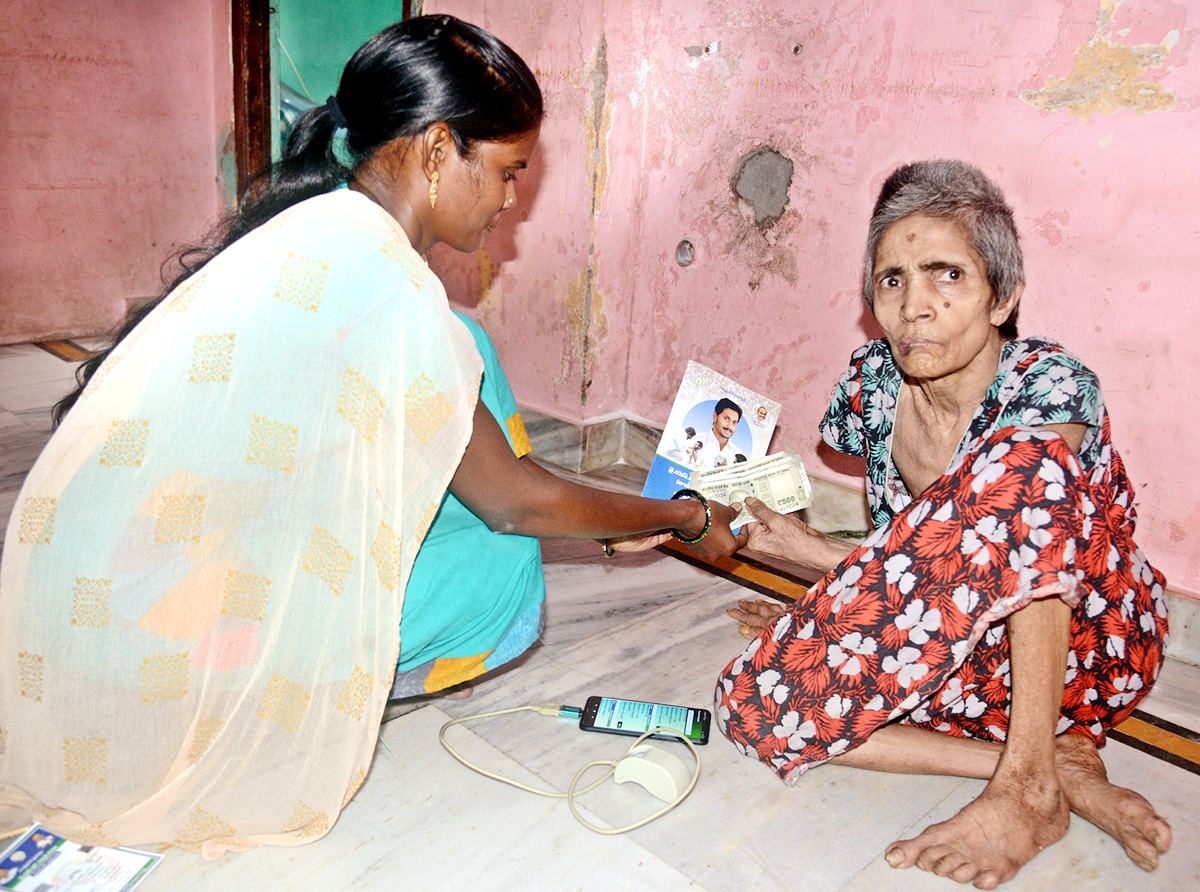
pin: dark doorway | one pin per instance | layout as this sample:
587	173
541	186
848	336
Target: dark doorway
254	117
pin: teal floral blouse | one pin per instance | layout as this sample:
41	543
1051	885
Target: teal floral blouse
1037	383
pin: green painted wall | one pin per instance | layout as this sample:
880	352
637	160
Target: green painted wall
320	35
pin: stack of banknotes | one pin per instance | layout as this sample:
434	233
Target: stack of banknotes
778	480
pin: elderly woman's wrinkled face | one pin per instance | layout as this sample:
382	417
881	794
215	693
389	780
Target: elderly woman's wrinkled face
934	303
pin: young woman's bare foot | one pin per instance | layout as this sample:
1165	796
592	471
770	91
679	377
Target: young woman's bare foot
1121	813
461	692
990	839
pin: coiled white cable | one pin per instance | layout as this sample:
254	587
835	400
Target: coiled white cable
553	709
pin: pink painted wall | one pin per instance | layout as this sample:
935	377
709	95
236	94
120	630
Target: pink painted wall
115	118
1085	111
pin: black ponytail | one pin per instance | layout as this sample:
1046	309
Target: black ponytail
408	76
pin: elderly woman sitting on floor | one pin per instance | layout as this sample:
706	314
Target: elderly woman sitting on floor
1000	619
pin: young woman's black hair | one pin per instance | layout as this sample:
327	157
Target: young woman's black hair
408	76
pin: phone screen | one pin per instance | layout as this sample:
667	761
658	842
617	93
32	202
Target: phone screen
636	717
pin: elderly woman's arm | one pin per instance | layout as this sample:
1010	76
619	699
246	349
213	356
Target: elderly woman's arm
783	536
786	536
1072	433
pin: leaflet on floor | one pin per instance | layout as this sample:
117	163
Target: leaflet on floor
40	860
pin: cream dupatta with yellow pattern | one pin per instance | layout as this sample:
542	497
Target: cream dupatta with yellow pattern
203	575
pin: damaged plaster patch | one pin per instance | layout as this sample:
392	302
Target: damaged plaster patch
585	324
762	181
585	306
1106	76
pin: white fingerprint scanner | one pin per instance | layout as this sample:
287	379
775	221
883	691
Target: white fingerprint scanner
660	773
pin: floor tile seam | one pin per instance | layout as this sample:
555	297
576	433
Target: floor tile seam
857	882
27	429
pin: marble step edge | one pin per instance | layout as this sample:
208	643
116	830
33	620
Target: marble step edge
836	509
590	447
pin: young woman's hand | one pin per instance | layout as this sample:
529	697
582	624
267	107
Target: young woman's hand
723	541
719	542
634	544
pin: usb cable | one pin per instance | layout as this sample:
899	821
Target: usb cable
564	711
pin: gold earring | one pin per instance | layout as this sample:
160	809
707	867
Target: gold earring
433	190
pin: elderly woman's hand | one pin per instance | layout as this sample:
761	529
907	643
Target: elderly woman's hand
754	616
782	535
787	536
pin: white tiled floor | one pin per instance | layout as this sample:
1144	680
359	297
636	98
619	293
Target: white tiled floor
649	627
424	818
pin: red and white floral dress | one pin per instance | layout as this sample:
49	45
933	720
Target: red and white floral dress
910	626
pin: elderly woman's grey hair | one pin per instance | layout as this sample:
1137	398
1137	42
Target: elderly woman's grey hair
957	191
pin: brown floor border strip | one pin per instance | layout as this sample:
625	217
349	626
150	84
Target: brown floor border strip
1186	733
67	351
1151	750
753	575
1144	732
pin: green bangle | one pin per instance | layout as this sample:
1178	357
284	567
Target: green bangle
692	494
608	549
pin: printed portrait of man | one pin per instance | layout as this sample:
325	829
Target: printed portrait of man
716	448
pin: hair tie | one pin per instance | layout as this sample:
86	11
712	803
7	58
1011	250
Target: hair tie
335	112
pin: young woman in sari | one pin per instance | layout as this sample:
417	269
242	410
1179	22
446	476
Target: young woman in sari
203	585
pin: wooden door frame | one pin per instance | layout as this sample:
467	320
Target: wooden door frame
251	36
252	113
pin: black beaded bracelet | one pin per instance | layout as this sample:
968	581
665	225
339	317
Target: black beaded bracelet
692	494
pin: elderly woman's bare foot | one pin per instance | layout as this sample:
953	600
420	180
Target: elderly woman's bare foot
991	838
1121	813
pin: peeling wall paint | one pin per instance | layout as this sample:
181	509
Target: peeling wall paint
1105	197
595	130
1107	77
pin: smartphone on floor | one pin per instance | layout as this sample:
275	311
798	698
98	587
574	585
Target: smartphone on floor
613	715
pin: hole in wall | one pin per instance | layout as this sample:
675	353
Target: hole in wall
762	181
703	49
